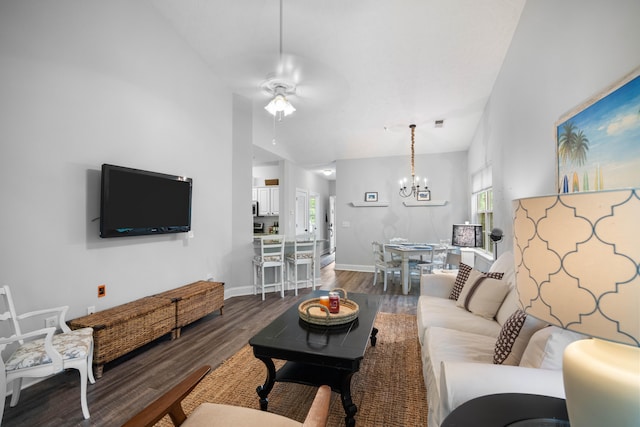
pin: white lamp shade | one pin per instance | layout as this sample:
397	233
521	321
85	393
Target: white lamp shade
577	258
279	103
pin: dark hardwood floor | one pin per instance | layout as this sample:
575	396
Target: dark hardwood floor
133	381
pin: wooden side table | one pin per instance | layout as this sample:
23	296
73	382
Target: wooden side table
510	409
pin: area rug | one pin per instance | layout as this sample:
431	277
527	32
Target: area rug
389	389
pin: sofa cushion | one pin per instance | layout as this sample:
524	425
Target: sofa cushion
482	295
546	347
442	344
464	271
508	307
442	312
514	337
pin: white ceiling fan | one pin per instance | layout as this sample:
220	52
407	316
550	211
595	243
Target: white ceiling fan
280	85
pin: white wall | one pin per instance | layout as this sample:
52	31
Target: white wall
91	82
447	174
241	255
563	53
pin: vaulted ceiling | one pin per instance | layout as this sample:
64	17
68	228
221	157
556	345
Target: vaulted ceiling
364	70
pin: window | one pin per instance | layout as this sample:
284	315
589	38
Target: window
484	215
482	203
313	220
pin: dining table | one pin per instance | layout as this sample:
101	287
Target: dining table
406	251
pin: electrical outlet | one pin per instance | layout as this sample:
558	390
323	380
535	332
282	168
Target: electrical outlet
91	309
51	322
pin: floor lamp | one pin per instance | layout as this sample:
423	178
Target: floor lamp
578	267
495	236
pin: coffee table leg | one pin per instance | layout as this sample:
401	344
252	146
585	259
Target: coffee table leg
264	390
374	339
350	408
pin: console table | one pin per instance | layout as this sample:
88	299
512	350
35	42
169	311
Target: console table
121	329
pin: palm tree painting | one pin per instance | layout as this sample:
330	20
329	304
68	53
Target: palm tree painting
601	139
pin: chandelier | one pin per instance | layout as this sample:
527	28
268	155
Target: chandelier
415	189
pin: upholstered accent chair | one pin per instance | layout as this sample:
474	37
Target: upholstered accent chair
213	414
42	352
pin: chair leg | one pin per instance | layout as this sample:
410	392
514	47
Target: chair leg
15	396
92	380
313	275
83	392
255	279
282	280
295	278
3	396
375	276
262	281
385	280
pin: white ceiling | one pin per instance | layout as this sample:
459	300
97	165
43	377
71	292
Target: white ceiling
360	66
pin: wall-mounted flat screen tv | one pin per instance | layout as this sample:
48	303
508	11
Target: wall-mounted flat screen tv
135	202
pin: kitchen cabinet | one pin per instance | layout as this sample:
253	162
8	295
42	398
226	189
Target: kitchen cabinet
268	201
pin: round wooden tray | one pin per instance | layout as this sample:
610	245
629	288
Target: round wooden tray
311	311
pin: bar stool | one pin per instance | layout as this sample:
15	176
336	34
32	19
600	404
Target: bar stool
304	253
271	256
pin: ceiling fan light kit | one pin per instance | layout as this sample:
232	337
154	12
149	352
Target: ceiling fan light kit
279	103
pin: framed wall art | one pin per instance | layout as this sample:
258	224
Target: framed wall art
371	196
598	143
423	195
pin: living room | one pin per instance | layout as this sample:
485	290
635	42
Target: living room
79	91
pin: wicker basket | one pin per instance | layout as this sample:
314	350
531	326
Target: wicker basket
124	328
194	301
311	311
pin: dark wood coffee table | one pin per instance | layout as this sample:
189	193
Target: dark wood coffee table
317	355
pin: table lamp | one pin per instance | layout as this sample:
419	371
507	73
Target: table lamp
577	262
467	235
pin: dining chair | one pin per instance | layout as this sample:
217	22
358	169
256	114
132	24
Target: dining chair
383	263
304	253
437	259
42	352
271	256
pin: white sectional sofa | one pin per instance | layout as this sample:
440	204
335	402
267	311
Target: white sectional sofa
459	339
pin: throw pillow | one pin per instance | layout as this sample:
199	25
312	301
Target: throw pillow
464	271
546	347
514	337
483	295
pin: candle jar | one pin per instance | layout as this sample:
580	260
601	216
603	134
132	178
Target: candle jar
334	302
324	300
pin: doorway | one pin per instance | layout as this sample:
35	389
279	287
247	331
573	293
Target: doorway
302	211
331	225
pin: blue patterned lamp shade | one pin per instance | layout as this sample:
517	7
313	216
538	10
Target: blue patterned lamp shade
577	262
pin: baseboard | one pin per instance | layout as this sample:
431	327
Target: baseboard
354	267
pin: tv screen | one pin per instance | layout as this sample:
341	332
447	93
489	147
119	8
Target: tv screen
135	202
